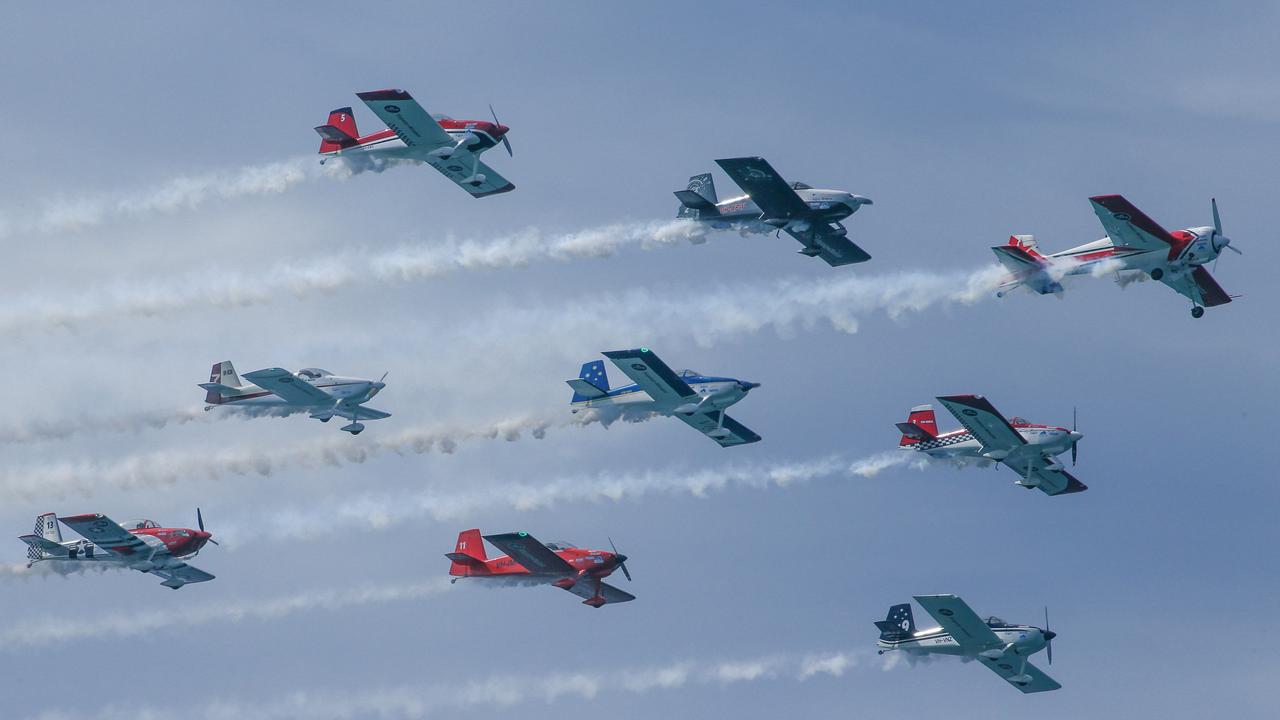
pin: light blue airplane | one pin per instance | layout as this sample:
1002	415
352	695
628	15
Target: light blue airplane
697	399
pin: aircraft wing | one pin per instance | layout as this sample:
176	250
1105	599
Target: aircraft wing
1008	668
758	178
1199	286
653	376
181	574
462	165
361	412
728	433
407	119
586	589
1051	482
106	534
957	618
289	387
980	417
836	249
533	555
1128	226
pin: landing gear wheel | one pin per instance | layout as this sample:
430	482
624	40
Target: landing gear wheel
1197	311
1157	274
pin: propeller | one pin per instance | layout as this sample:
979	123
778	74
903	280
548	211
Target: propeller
505	142
1049	635
622	560
200	524
1075	444
1220	241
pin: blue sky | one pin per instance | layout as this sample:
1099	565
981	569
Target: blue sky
179	139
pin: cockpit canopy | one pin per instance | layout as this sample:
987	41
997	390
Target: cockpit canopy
801	186
557	546
314	373
139	524
438	117
689	373
994	621
1015	420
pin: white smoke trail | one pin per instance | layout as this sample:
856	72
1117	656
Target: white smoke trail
131	299
497	692
382	511
53	568
188	192
165	468
44	631
44	430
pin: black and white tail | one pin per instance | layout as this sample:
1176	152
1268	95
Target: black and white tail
699	200
223	383
898	625
45	541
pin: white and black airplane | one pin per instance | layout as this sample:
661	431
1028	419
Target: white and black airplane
318	392
699	400
987	437
809	215
1003	647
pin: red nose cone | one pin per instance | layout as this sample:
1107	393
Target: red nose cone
502	129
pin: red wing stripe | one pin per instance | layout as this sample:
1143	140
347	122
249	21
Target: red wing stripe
1118	204
1210	291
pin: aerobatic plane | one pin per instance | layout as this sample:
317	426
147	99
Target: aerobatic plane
699	400
771	205
451	146
1135	246
1001	646
137	544
319	392
988	437
579	571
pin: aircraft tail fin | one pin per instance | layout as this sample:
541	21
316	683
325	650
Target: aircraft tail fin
468	554
921	425
592	382
223	383
899	624
699	199
339	133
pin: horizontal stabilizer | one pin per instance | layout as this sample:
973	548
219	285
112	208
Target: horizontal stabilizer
585	389
45	546
220	388
914	431
691	199
334	134
463	558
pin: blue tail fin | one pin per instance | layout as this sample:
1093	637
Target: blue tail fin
592	382
899	625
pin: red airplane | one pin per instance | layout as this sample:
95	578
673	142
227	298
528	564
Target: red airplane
579	571
139	544
451	146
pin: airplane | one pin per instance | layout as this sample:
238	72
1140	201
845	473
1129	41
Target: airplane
699	400
1134	242
579	571
137	544
771	205
317	391
451	146
987	437
1001	646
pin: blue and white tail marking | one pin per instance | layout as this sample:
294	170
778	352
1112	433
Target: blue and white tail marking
592	382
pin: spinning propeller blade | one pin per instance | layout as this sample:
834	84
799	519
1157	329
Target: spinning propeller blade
1075	444
200	524
1048	636
505	142
622	564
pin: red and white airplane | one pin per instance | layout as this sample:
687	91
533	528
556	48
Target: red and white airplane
138	544
988	437
1134	242
579	571
451	146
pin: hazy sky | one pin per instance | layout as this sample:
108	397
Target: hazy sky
163	209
